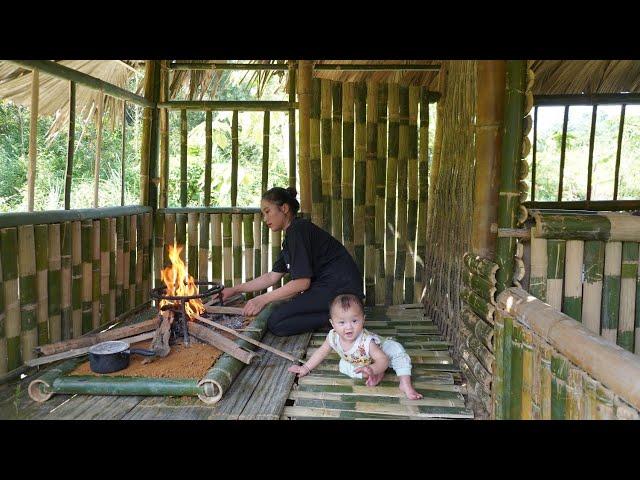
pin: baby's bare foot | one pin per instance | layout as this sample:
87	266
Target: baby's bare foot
374	380
407	388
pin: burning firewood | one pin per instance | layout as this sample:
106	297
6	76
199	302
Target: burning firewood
160	342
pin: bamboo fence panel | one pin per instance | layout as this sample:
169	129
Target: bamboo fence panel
105	303
257	252
412	212
629	275
572	300
120	254
593	269
112	269
347	166
28	294
147	255
247	248
317	211
539	267
158	247
381	167
276	247
126	263
226	249
216	247
423	195
87	277
140	243
76	294
66	286
371	126
555	272
611	290
403	156
336	161
203	251
526	409
192	237
95	274
359	177
516	372
236	229
54	284
41	238
325	148
133	259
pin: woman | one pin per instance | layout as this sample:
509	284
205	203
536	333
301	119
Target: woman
319	265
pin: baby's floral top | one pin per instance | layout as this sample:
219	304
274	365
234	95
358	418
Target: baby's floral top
358	354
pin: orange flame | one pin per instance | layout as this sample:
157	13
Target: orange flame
180	283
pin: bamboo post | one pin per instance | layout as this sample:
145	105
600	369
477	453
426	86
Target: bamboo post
28	291
133	259
276	247
423	195
264	253
216	248
292	123
120	265
515	403
325	159
336	161
392	168
54	282
572	300
105	270
33	138
236	228
507	335
70	145
158	249
66	285
145	144
87	277
123	152
3	336
629	275
77	288
315	155
192	234
636	348
347	167
126	264
203	252
112	269
539	259
403	156
526	409
412	213
381	167
96	165
164	135
169	236
360	173
559	372
234	159
41	237
592	289
545	381
370	198
247	220
611	290
555	272
498	374
140	243
574	394
183	158
181	235
563	146
257	260
95	274
208	151
226	249
304	169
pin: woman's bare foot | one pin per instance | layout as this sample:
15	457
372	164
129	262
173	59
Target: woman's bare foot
407	388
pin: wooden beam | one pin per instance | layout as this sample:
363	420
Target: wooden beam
228	66
361	67
596	205
14	219
228	105
600	99
66	73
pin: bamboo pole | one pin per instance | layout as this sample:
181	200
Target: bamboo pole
515	402
183	158
96	164
276	248
120	265
112	269
133	258
292	123
126	264
336	161
54	282
86	277
482	330
629	275
574	394
236	228
607	226
247	248
158	259
616	175
412	213
66	282
481	266
95	274
497	392
315	154
359	177
507	334
526	408
227	105
226	250
181	234
481	307
304	169
536	384
381	169
347	166
403	155
105	270
555	272
559	372
423	195
33	138
3	336
77	287
325	148
28	291
370	185
142	270
164	135
70	145
124	152
611	290
264	254
636	348
481	287
216	248
41	244
592	289
208	149
539	266
392	169
192	234
234	158
266	127
257	252
572	300
203	251
545	381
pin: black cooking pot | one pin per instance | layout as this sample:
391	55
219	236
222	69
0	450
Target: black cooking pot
108	357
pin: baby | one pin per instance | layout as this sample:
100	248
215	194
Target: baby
362	354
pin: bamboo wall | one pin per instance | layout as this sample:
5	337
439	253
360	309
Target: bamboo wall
67	273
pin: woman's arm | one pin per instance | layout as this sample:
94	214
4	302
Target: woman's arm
315	360
291	289
263	281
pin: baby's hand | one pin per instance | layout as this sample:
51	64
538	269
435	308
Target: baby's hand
298	369
366	371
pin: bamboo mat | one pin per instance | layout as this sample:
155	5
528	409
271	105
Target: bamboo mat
327	394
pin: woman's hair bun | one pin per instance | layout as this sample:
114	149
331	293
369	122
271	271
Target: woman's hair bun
292	191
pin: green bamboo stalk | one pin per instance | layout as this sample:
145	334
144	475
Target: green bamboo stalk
611	290
147	253
28	294
226	250
607	226
66	285
54	281
133	258
247	220
593	268
325	133
589	400
381	166
203	252
555	272
481	307
574	395
120	266
545	381
560	372
107	385
482	330
95	274
216	247
604	397
276	247
572	299
292	124
317	211
412	213
392	173
104	270
164	135
266	127
192	234
423	195
140	242
234	159
183	158
482	353
181	234
515	406
526	409
359	177
87	277
41	233
112	269
370	198
636	348
207	159
257	257
481	266
479	285
507	334
347	167
539	261
629	275
497	385
158	250
236	228
70	145
126	264
76	277
169	237
536	384
3	331
336	161
403	157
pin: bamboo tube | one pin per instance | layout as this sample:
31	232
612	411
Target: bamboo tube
515	404
403	154
104	270
236	227
590	403
526	407
112	269
497	393
555	272
164	135
370	185
392	173
480	306
220	342
347	166
203	251
325	159
276	247
41	244
545	381
169	236
412	213
126	264
120	262
481	352
77	287
158	249
317	211
33	138
86	277
539	259
592	288
265	151
336	160
147	256
507	335
54	281
611	290
66	285
381	167
145	144
207	159
70	145
183	158
476	368
216	248
192	234
226	250
247	220
481	266
257	260
359	177
133	258
574	394
604	397
139	259
423	195
96	165
479	285
234	158
181	234
28	294
629	275
482	330
304	99
124	152
536	384
559	372
572	300
95	274
607	226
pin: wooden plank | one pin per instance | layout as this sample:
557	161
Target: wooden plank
390	412
94	407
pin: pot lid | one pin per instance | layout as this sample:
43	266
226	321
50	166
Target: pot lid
105	348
